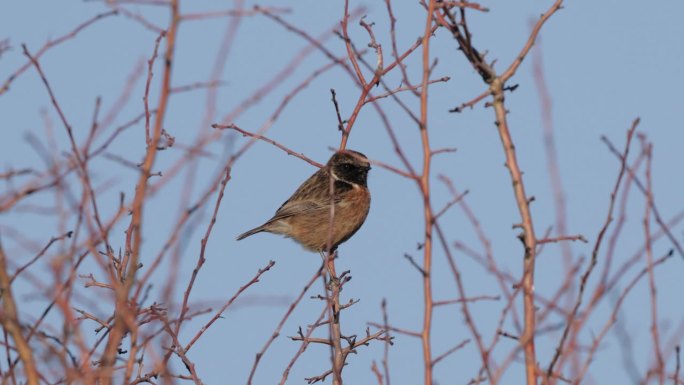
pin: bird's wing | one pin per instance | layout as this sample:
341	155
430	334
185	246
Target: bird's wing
294	207
291	208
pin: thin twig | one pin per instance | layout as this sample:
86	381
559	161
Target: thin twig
276	332
301	156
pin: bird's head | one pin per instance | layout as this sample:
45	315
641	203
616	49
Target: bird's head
350	166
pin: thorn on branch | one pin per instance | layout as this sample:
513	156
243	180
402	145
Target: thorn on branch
677	367
510	88
350	303
521	236
340	123
472	102
345	277
507	335
414	264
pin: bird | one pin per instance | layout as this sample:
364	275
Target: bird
337	193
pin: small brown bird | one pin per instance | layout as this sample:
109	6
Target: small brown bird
307	215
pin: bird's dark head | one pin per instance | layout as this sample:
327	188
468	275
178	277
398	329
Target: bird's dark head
350	166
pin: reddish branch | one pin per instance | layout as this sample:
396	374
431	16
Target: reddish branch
385	354
424	184
471	103
562	239
333	287
12	326
528	237
130	263
497	87
365	85
655	332
267	140
40	254
131	290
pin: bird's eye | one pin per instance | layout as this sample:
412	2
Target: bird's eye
346	166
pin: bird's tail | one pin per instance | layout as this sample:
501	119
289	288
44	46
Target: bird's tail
250	232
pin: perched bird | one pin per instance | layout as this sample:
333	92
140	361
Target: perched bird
307	215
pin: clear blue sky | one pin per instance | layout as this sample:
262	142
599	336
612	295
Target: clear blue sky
605	63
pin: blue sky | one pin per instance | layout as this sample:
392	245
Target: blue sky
605	64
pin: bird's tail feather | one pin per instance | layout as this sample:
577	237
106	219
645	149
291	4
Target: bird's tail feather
250	232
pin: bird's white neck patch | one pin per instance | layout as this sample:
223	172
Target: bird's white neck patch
337	178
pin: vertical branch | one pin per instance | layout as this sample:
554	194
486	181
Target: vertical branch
11	325
497	87
425	190
385	356
528	236
334	317
677	367
332	293
123	322
660	364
